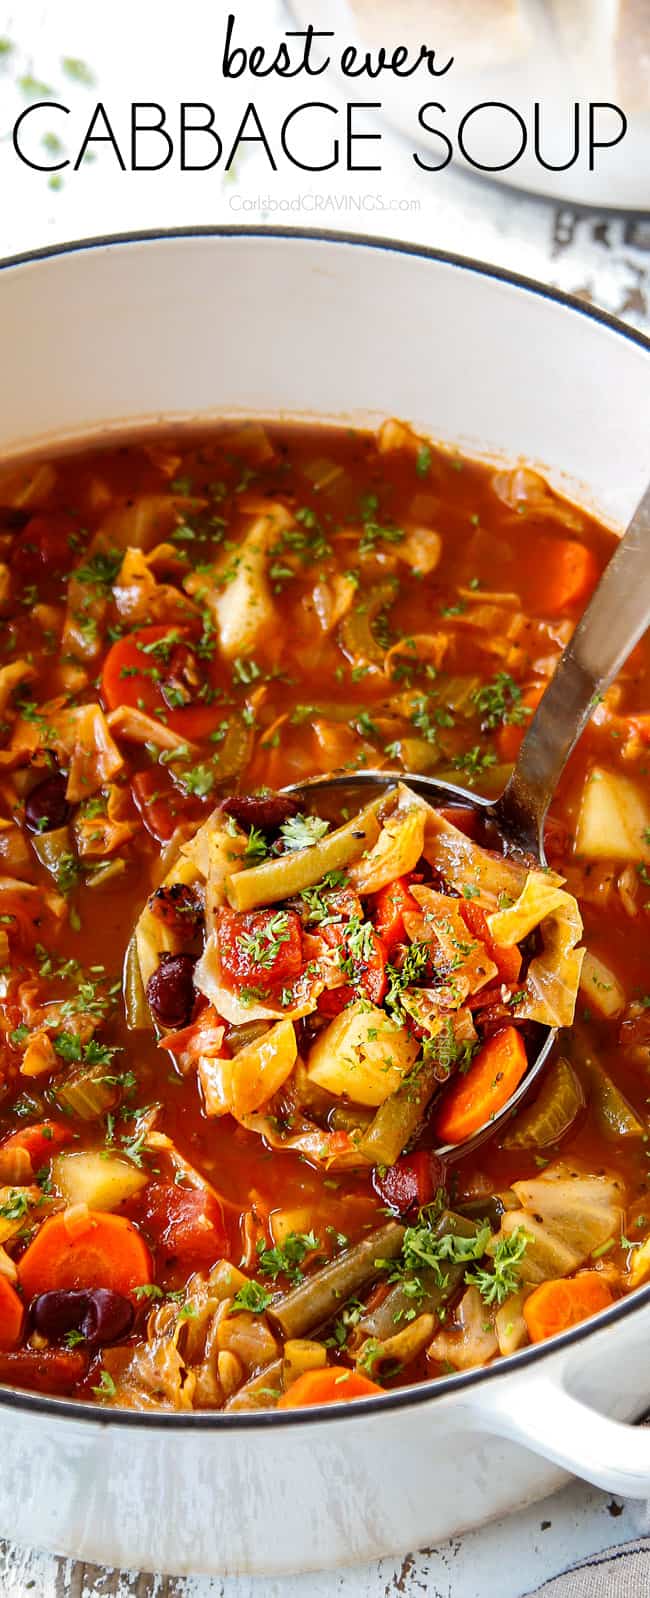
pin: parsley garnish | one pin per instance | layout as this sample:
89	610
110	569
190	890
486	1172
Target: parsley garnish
302	832
253	1297
286	1259
497	1284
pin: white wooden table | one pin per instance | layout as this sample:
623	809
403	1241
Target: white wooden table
604	259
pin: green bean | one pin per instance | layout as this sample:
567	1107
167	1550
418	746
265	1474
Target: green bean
554	1110
136	1009
291	872
431	1294
398	1117
319	1297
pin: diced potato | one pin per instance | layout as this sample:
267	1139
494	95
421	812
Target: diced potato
614	818
362	1054
90	1178
282	1222
601	988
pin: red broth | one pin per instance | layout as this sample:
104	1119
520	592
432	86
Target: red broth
409	605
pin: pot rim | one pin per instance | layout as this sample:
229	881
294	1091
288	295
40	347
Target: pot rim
437	1387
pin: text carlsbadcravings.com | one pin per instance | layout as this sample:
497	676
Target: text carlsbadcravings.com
312	135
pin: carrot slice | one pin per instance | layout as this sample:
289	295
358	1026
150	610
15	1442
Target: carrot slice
11	1315
479	1095
569	571
555	1306
133	673
332	1385
109	1252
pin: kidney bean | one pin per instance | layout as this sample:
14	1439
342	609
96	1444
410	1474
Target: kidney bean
171	992
100	1315
46	807
267	813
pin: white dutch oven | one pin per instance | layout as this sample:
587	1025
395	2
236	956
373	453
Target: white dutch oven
197	324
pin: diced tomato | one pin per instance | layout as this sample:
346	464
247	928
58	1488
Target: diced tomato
134	674
390	905
161	806
370	980
185	1223
411	1182
44	544
40	1142
507	961
259	948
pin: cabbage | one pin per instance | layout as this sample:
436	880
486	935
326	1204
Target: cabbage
105	833
238	593
396	852
139	596
139	728
153	936
472	1342
10	676
420	549
84	735
553	977
465	864
566	1214
245	1083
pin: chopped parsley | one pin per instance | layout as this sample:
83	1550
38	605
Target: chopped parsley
499	703
302	832
286	1259
253	1297
496	1284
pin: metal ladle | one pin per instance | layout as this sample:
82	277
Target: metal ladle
615	619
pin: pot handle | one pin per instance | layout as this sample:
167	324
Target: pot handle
541	1415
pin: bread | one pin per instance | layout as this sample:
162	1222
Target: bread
478	33
607	42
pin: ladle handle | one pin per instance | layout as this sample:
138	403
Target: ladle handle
614	621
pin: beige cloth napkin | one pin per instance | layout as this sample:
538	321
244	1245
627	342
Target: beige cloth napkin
622	1572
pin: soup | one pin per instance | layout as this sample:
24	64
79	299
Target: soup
244	1038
